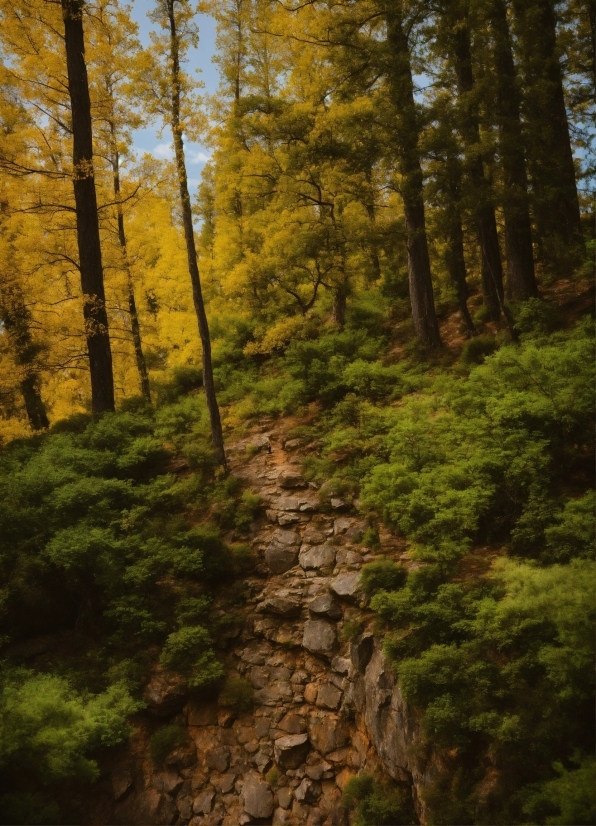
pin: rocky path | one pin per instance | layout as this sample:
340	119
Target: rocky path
326	707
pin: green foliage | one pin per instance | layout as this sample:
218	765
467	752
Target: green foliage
189	650
237	693
376	804
384	575
351	629
182	381
247	509
164	741
568	798
477	349
272	776
536	317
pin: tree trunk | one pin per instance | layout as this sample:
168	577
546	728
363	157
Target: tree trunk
339	306
518	230
550	158
94	307
456	266
132	305
484	211
399	76
193	266
16	320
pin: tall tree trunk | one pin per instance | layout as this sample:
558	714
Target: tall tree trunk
406	132
456	266
132	305
484	211
94	307
550	158
193	266
16	320
518	229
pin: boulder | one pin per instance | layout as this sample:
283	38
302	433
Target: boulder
321	556
329	696
325	605
218	759
341	525
290	751
291	479
308	791
203	803
288	519
319	637
257	797
328	732
280	606
284	797
282	552
146	809
346	586
292	723
122	780
165	693
202	715
313	536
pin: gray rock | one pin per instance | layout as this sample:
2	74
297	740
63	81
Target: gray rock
308	791
281	606
167	782
361	651
226	783
292	723
321	556
325	605
290	752
282	552
258	676
291	479
218	759
341	525
346	586
341	665
319	637
257	797
288	519
203	803
313	536
329	696
292	444
285	538
284	797
165	693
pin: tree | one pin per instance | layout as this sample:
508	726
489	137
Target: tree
90	263
175	18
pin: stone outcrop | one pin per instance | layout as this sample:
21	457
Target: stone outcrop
325	708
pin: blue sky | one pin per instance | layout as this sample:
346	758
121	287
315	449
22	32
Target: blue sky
148	140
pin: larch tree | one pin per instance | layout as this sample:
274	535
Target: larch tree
89	245
165	90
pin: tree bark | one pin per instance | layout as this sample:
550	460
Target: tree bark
406	133
132	305
550	158
193	266
456	266
518	229
90	264
484	211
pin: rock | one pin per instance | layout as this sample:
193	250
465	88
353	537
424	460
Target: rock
310	692
329	696
184	806
281	818
313	536
226	783
225	717
262	726
288	519
218	759
281	606
328	733
337	503
258	676
258	442
361	651
281	553
167	782
346	586
256	797
319	637
321	556
203	804
182	758
343	776
341	525
354	534
291	479
122	780
292	444
284	797
325	605
148	808
290	752
308	791
341	665
292	723
165	693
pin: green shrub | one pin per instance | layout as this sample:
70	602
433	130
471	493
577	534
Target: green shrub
189	651
536	317
351	629
377	804
384	575
182	381
371	539
476	349
237	694
247	510
164	741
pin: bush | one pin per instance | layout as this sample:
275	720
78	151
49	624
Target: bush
376	804
164	741
351	629
384	575
182	381
189	651
247	510
237	694
536	317
476	349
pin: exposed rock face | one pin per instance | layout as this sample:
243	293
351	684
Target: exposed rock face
166	693
324	709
